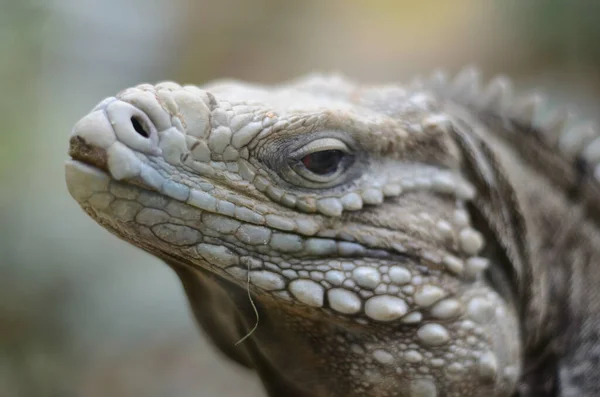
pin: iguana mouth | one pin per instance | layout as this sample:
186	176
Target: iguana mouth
91	156
81	151
90	161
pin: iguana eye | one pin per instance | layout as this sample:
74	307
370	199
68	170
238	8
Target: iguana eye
322	160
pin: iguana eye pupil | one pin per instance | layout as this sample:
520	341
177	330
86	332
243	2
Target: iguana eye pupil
324	162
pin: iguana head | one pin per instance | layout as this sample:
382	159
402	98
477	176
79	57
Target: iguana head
340	205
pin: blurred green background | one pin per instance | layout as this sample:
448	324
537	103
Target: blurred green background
84	314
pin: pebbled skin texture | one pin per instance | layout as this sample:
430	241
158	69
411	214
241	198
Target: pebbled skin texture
426	240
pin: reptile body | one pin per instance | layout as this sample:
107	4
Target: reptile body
436	239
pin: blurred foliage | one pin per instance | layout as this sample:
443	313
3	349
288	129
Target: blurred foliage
20	31
23	348
562	31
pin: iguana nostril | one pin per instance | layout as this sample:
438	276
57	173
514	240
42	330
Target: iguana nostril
138	126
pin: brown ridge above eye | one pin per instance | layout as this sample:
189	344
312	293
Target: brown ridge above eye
324	162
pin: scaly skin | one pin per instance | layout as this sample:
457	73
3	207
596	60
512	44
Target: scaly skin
392	241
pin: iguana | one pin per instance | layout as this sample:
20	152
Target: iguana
433	239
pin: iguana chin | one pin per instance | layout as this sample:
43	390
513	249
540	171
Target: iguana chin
429	240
